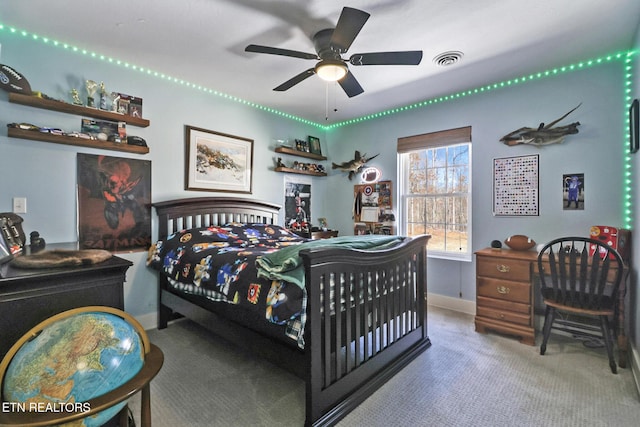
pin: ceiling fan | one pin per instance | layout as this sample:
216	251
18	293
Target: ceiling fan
330	43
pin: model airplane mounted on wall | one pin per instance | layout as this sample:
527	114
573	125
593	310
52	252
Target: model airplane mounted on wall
330	44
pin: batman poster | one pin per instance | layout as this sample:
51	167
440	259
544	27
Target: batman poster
114	203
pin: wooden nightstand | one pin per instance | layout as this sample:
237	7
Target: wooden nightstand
28	297
504	293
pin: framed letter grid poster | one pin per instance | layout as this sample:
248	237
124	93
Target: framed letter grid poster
515	186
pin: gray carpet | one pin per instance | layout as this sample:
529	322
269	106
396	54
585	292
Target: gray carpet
464	379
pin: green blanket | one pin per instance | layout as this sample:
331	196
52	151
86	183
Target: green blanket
286	264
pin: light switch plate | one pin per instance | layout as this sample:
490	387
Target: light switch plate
20	205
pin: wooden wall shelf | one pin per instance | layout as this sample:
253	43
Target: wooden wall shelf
63	107
298	171
71	140
292	151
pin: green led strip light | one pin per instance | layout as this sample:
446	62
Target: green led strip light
628	177
504	84
627	57
153	73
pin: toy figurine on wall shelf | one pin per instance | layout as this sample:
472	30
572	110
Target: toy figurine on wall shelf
75	97
103	96
354	166
91	91
114	96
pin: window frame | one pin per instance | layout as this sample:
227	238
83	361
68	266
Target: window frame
454	137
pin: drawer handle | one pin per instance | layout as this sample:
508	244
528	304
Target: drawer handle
503	268
503	290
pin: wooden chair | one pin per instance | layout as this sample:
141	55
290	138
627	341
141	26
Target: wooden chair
153	360
580	276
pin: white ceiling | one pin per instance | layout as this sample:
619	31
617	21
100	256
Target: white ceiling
203	41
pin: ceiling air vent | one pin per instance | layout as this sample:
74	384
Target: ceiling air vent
448	58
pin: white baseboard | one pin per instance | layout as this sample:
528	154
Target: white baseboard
148	320
455	304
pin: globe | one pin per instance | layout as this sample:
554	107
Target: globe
73	360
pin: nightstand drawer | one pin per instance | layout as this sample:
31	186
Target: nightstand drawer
503	305
502	268
505	316
504	290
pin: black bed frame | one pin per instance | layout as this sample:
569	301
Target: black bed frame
348	354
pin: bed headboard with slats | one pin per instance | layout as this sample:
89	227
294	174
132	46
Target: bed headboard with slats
179	214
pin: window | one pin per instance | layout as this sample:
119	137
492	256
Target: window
435	190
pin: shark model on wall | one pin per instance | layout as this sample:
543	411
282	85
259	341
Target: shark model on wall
543	135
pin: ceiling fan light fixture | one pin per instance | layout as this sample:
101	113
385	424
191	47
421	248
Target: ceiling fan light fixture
331	70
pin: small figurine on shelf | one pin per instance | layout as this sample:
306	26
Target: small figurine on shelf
91	87
115	97
103	96
279	163
75	97
36	242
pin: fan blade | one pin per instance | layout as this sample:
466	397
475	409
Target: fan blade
412	57
277	51
349	25
295	80
350	85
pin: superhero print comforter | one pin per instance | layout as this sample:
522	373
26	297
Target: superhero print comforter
219	263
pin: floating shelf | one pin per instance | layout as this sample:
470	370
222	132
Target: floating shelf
64	107
298	171
71	140
292	151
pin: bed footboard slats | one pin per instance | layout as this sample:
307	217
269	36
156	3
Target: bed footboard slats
366	311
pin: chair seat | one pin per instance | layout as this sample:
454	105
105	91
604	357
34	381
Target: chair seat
578	309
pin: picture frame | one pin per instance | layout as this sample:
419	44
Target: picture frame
113	203
217	161
516	186
314	145
634	126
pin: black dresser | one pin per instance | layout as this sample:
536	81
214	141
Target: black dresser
29	296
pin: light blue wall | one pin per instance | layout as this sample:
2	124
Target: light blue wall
595	151
45	173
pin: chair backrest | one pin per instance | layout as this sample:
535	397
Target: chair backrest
580	272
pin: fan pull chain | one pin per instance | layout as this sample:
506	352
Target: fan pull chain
326	101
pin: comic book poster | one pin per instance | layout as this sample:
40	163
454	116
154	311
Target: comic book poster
114	203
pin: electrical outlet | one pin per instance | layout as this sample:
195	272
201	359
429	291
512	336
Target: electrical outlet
20	205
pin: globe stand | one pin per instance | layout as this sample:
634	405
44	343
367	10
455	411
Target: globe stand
140	382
